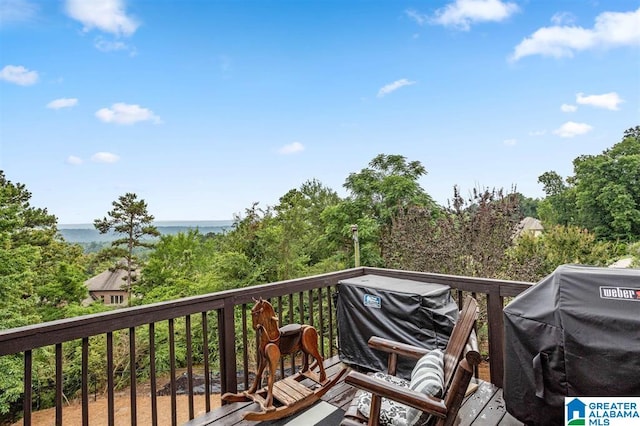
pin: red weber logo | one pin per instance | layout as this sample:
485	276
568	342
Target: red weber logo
620	293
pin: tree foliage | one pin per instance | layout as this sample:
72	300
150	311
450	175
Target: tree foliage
559	207
388	187
41	278
534	257
528	206
470	238
603	195
607	190
130	219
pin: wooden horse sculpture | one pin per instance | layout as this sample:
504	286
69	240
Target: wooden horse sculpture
274	342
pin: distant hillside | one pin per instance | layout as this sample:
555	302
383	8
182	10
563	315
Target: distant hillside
86	233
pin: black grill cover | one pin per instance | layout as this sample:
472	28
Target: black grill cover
575	333
412	312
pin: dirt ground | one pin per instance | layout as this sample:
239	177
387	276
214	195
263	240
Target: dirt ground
72	413
483	371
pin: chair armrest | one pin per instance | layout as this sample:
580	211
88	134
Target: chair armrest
386	345
405	396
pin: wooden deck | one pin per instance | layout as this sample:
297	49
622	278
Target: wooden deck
485	407
213	326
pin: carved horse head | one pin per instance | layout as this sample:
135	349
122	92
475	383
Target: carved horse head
263	315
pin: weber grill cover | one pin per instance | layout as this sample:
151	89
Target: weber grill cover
412	312
575	333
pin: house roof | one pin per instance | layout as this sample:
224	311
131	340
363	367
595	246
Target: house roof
531	224
108	280
528	224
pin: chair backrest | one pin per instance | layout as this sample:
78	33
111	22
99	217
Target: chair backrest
459	337
457	372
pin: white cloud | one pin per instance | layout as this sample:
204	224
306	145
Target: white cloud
18	74
462	13
291	148
113	46
106	15
72	159
104	157
607	100
62	103
121	113
537	132
571	129
568	108
417	16
392	87
510	142
13	11
560	18
611	29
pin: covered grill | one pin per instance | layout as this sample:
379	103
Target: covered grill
412	312
575	333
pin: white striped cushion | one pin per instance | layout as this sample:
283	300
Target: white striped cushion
392	413
427	377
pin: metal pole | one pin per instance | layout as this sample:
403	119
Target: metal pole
356	245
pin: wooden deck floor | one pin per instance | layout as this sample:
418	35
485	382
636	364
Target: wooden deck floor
485	407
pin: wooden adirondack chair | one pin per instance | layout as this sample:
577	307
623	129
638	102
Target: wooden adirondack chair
458	370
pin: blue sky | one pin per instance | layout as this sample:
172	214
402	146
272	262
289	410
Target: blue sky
204	107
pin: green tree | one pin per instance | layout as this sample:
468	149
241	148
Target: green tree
188	264
130	219
389	184
338	220
247	240
559	206
21	222
632	132
377	194
607	190
603	195
31	273
40	273
60	282
528	206
299	215
534	257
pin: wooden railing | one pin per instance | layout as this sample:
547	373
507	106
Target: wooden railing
304	300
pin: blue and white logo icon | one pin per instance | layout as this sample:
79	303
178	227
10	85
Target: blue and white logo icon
372	301
576	412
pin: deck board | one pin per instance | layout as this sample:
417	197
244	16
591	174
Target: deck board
485	407
475	403
493	412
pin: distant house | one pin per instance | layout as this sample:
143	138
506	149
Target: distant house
625	262
109	287
529	225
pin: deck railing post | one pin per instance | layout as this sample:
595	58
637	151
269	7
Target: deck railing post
496	335
227	341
